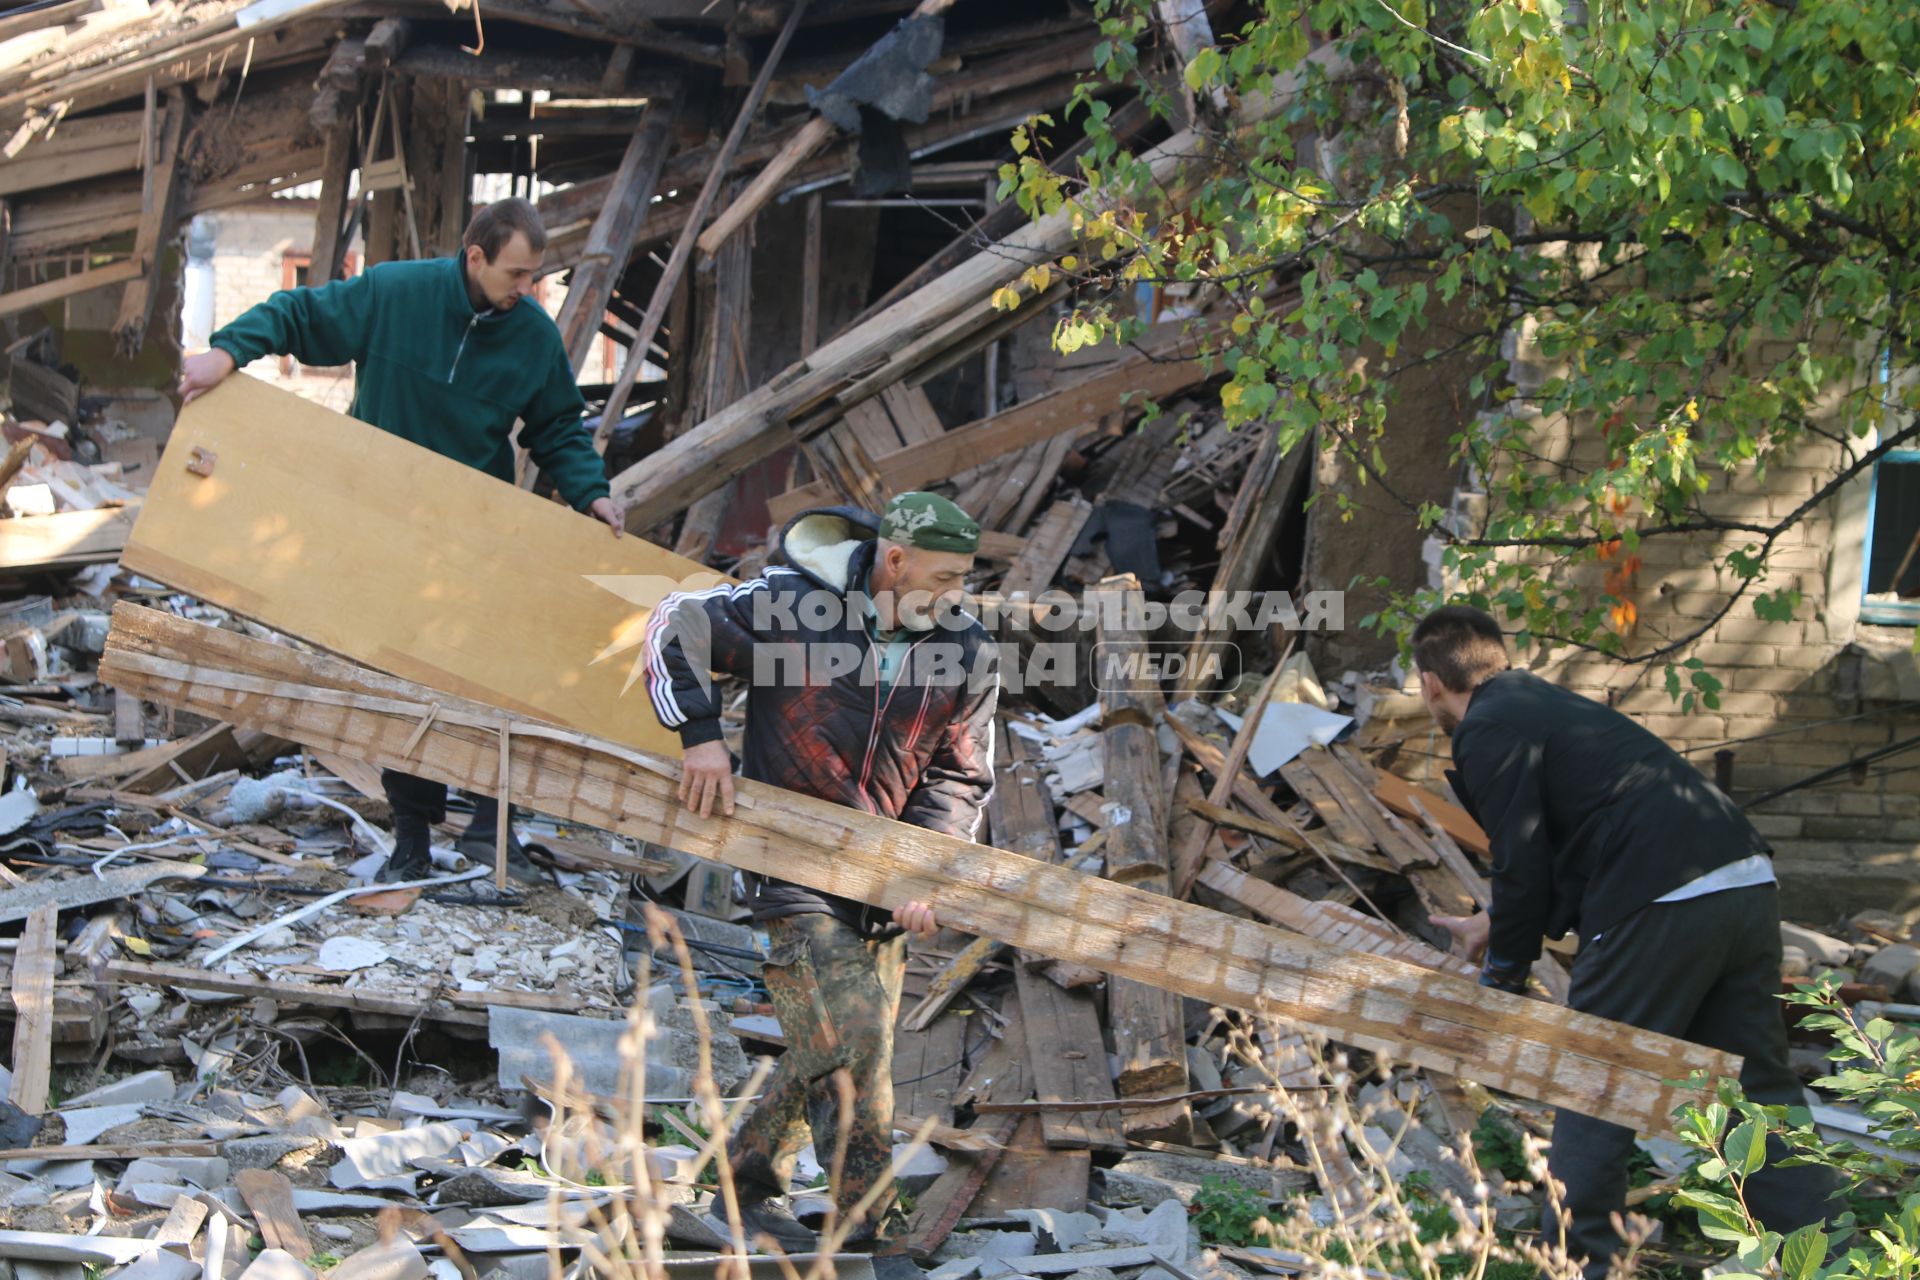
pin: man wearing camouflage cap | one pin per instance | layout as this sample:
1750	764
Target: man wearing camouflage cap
893	715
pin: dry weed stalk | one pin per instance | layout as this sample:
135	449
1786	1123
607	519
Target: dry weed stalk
1375	1226
624	1236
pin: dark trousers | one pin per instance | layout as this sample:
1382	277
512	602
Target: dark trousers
1707	970
418	803
836	995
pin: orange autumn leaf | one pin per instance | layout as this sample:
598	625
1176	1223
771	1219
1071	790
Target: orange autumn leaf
1609	549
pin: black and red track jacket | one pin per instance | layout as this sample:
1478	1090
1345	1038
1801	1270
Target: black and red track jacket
919	752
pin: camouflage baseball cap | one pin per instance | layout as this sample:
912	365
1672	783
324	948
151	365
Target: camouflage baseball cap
930	522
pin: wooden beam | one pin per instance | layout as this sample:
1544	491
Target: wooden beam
33	968
610	243
1552	1054
1258	510
1330	922
819	132
1147	1021
810	278
330	218
1153	374
39	295
155	232
296	491
683	243
766	184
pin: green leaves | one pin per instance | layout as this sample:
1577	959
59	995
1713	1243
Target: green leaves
1690	223
1203	68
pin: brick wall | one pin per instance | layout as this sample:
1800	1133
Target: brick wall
1842	846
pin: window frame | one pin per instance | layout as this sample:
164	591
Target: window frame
1884	615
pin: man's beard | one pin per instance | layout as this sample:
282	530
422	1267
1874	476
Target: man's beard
1447	721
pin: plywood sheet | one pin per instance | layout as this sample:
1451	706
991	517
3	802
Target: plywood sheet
363	543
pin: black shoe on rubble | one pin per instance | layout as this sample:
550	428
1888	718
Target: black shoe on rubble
479	847
411	858
769	1217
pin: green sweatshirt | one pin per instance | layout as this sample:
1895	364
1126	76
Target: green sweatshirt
430	369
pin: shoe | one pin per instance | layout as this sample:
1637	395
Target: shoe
411	858
769	1217
479	847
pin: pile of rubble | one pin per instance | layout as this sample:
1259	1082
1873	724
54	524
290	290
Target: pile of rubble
334	1075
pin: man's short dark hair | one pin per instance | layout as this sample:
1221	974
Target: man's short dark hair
494	224
1460	645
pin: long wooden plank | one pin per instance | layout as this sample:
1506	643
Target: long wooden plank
33	967
484	591
1148	1022
1330	922
1065	1049
1549	1053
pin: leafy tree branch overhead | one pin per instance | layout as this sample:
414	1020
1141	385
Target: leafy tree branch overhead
1702	215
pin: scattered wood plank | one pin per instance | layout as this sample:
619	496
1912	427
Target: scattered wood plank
66	539
298	489
1307	784
439	1008
1407	800
269	1196
1039	561
1032	1175
1549	1053
1189	856
939	1211
950	982
931	1059
33	967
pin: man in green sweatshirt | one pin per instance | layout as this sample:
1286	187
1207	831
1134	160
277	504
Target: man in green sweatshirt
447	353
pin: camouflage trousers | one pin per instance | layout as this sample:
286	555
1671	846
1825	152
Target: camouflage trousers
836	995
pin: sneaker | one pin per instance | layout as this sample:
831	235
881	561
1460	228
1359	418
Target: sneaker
769	1217
478	847
411	858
